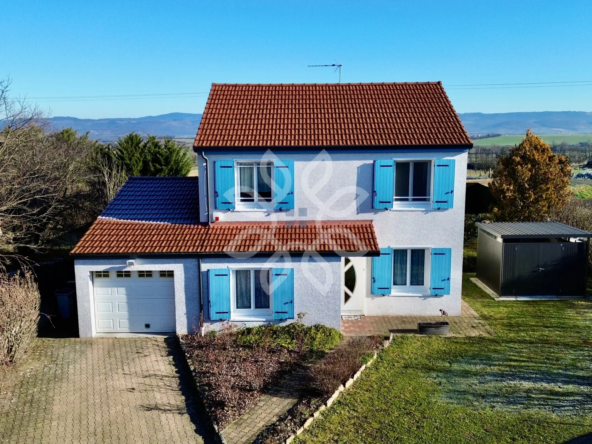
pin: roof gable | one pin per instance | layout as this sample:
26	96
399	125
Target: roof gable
330	115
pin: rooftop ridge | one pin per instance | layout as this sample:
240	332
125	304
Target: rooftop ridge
436	82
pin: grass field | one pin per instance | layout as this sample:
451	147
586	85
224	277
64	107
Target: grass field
552	138
528	384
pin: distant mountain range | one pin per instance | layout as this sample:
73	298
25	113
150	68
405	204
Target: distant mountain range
179	125
548	122
184	125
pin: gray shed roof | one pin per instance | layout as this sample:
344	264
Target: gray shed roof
515	230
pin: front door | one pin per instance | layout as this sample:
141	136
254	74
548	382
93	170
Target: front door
354	285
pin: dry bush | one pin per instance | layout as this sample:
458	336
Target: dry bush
234	377
338	366
577	213
19	315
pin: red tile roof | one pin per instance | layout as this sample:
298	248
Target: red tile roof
330	115
107	236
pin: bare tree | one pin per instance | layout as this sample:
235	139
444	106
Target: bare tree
43	185
108	174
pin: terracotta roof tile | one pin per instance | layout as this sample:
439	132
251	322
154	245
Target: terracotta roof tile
107	236
329	115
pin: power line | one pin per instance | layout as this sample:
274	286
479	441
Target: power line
115	97
575	83
528	83
182	95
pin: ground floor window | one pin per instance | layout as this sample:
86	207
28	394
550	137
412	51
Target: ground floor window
409	268
252	292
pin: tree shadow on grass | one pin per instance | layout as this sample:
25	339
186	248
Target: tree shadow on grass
193	403
584	439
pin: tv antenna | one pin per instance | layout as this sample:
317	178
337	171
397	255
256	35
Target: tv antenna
336	65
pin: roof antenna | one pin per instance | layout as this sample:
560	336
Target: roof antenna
337	67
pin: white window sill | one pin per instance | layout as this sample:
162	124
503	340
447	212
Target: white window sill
253	210
399	207
417	295
251	319
407	291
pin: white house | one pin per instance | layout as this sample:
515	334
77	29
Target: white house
312	199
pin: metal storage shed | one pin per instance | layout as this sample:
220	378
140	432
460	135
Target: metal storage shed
533	258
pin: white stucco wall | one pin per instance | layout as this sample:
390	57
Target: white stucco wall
317	286
339	185
186	284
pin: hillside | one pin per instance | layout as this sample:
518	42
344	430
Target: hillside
184	125
173	124
548	122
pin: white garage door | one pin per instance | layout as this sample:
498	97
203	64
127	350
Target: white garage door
134	301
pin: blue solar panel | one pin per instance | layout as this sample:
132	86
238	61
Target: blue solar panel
172	200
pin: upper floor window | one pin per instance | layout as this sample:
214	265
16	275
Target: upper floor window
255	182
254	185
412	181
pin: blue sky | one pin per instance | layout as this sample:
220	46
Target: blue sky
108	48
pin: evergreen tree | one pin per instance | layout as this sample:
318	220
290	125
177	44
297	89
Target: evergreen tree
530	182
151	157
129	153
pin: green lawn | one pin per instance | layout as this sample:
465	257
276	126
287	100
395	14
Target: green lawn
515	140
531	383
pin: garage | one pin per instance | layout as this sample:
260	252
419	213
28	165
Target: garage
533	259
134	301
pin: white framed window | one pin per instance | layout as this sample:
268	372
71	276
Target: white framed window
410	270
102	274
166	274
124	274
254	184
413	183
144	274
251	293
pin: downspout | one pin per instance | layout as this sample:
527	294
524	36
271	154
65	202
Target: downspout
201	312
207	186
201	304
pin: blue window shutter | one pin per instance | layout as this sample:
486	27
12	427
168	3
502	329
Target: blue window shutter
440	271
384	184
282	285
283	187
382	272
224	187
443	184
219	285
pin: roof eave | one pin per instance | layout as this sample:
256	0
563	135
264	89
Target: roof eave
459	146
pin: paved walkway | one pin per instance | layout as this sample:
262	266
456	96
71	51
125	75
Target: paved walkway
467	324
267	411
102	391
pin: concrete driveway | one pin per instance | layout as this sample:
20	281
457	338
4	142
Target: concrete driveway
102	390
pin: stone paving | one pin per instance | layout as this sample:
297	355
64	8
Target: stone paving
102	390
467	324
267	411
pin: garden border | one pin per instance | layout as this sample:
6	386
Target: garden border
201	392
338	392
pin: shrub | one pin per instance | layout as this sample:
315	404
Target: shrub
19	315
235	367
471	230
292	336
577	213
341	364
